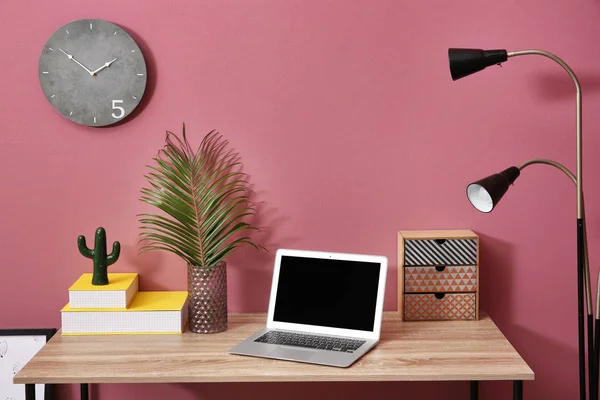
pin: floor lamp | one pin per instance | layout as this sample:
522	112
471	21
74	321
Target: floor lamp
486	193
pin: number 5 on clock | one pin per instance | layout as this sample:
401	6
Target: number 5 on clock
115	106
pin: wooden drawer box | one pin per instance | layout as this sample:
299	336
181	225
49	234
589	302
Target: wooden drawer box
438	275
437	307
440	279
440	252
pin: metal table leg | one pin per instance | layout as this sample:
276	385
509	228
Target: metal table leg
474	390
517	390
84	391
29	391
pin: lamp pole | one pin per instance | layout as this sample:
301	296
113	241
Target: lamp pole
582	272
592	358
579	145
464	62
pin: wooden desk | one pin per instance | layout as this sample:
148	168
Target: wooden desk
408	351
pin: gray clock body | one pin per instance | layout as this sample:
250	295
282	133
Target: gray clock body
92	72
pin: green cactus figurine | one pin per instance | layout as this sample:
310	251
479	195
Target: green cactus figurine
98	254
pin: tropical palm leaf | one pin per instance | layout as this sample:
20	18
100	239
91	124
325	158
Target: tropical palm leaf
204	198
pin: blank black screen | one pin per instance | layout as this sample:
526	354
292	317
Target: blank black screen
325	292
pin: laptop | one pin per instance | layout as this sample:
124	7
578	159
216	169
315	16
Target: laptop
325	308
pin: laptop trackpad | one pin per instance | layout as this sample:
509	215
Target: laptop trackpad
292	354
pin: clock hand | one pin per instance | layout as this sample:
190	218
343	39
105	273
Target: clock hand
106	65
78	63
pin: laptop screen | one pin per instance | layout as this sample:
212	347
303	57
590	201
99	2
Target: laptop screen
326	292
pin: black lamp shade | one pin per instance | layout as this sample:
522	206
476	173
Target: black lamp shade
487	192
465	62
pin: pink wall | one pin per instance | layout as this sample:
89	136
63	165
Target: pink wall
351	128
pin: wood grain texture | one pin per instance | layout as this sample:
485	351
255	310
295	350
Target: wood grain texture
439	234
478	277
430	235
400	275
407	351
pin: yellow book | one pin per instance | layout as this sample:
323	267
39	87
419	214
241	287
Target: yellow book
149	313
120	291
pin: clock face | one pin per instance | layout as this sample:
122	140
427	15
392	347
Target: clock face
92	72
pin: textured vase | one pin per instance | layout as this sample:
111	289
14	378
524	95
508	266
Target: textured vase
207	293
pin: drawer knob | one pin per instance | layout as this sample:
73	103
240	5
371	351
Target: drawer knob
440	268
440	241
439	296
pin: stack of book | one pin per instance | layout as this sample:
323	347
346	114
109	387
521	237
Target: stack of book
118	308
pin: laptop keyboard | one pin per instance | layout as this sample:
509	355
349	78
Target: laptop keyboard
311	341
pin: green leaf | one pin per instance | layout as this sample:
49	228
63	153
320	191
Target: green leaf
204	198
150	225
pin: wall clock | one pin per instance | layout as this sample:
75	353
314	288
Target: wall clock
92	72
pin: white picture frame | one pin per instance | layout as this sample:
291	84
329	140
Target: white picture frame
17	348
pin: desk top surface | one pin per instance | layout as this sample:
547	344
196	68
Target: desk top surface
407	351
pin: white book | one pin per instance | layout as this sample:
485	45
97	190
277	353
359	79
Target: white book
150	312
119	293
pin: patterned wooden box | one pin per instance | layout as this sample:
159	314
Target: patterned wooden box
438	275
